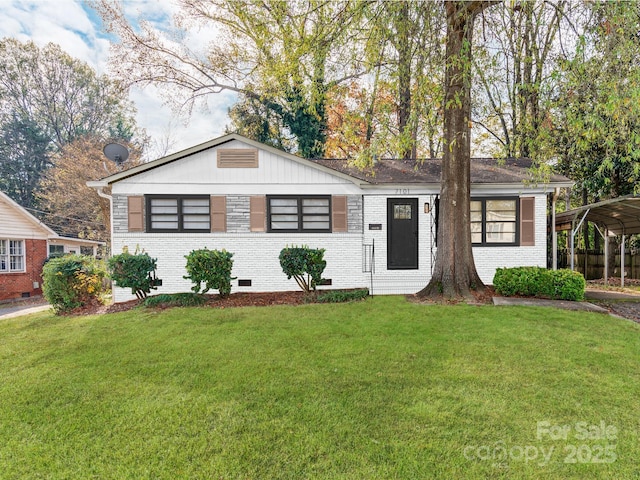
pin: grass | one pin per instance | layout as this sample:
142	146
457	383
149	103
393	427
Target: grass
380	389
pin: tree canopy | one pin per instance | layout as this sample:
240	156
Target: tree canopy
49	100
68	205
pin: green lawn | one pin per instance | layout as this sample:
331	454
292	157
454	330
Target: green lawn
379	389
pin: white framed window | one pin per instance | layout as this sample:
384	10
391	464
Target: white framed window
494	221
12	255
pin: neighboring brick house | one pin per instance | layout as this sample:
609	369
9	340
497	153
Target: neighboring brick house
25	244
378	226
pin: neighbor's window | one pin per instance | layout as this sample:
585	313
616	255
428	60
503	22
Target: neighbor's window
12	256
185	213
494	221
56	251
299	213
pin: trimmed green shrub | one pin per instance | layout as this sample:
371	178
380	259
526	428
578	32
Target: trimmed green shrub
72	281
339	296
186	299
137	272
539	282
211	268
304	264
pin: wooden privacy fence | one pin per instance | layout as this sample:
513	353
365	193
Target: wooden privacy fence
594	262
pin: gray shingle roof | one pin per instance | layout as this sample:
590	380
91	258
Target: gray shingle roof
425	171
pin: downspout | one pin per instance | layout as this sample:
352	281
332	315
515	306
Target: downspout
110	198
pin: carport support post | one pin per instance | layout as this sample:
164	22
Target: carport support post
622	261
604	233
572	241
554	234
574	230
606	256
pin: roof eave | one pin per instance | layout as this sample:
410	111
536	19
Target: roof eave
539	186
81	241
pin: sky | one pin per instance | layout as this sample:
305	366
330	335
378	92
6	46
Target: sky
77	28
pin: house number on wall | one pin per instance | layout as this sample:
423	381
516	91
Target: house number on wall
402	191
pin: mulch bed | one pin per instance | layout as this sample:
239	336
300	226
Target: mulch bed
483	297
213	301
245	300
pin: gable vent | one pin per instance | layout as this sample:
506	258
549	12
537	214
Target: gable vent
237	158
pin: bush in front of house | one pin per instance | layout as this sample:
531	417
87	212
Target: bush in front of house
340	296
304	264
72	281
539	282
134	271
185	299
211	268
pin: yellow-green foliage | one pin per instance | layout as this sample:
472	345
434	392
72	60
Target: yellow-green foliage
72	281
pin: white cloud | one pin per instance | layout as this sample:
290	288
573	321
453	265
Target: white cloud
64	22
77	30
159	120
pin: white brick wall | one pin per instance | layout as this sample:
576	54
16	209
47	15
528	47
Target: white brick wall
255	258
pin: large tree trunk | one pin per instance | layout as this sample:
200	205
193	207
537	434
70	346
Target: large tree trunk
454	272
403	46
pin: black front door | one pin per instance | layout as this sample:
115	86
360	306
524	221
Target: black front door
402	233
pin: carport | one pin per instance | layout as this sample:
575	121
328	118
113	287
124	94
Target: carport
616	217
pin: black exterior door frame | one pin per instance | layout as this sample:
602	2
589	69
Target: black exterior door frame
402	234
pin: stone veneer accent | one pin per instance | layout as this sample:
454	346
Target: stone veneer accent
120	214
238	214
354	213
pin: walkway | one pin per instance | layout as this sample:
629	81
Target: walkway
539	302
17	309
620	304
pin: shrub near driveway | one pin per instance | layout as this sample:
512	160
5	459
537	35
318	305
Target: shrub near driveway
539	282
72	281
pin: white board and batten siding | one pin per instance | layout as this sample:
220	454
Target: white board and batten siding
200	174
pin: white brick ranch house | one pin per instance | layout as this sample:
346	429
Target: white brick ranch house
378	226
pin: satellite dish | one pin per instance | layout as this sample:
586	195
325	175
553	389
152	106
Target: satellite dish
116	153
